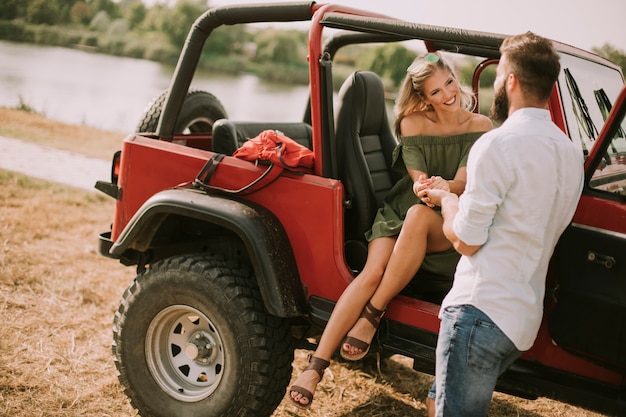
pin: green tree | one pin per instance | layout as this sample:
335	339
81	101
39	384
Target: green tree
9	9
227	40
136	14
111	8
81	13
178	22
44	12
278	46
154	18
64	14
389	61
612	54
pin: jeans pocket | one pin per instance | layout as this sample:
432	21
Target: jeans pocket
452	312
487	347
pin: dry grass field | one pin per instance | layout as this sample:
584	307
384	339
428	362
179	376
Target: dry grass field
38	129
58	297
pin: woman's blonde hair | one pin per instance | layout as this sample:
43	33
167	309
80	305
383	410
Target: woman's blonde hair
411	96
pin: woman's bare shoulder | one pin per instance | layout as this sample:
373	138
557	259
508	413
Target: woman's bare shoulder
413	124
480	123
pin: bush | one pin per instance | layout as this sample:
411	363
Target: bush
89	39
54	35
15	31
161	52
47	36
119	27
112	45
283	73
23	106
232	64
134	49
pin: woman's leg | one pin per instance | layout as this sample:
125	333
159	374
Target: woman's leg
421	233
348	309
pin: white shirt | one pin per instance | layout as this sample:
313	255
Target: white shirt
524	180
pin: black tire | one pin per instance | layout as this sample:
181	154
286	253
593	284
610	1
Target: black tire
191	337
200	110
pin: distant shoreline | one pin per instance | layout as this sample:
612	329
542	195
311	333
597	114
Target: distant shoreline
31	127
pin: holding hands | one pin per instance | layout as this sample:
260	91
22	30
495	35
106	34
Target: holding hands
431	190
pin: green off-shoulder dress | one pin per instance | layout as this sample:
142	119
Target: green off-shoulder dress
436	156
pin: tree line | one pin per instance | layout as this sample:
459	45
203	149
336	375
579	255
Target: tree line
130	28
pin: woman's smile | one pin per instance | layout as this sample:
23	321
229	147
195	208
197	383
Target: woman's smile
451	101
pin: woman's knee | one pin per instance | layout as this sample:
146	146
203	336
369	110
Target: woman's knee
418	219
418	211
369	278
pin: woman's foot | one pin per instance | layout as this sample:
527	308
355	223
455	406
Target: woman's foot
301	392
354	347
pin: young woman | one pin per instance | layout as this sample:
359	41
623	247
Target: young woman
436	130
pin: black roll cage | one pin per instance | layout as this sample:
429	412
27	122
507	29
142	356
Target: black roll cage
361	29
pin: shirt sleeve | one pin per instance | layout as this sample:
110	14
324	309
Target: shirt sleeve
488	179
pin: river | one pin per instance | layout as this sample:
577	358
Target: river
111	93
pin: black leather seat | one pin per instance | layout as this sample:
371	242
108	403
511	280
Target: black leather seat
365	144
229	135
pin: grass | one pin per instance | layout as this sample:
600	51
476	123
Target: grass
58	297
34	127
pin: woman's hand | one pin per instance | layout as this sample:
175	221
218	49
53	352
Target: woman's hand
422	183
439	183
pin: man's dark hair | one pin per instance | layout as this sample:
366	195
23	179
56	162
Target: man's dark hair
534	62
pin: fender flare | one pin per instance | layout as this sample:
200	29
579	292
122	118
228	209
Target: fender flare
263	235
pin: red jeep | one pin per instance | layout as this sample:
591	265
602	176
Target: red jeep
232	277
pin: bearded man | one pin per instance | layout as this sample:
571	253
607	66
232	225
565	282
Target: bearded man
524	180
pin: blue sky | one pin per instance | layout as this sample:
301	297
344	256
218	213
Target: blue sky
582	23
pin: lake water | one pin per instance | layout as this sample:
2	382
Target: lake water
112	93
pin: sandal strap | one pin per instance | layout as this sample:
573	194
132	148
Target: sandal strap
305	394
357	343
372	314
317	364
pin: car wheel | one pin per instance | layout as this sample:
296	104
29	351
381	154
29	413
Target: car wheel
191	337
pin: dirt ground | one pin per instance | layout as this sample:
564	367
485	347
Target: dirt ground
58	297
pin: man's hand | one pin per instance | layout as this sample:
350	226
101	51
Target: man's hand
432	197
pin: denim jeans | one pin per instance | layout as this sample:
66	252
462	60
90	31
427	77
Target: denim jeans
472	352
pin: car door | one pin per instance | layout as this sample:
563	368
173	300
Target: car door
589	317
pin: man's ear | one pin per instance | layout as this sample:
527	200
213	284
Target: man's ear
512	82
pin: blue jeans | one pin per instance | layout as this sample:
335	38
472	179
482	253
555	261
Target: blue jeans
472	352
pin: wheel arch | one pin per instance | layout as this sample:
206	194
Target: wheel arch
261	234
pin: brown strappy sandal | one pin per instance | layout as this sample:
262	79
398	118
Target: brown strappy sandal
315	364
371	314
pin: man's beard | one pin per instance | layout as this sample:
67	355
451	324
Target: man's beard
499	111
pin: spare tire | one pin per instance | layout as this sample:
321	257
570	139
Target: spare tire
200	110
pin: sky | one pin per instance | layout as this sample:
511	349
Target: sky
582	23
